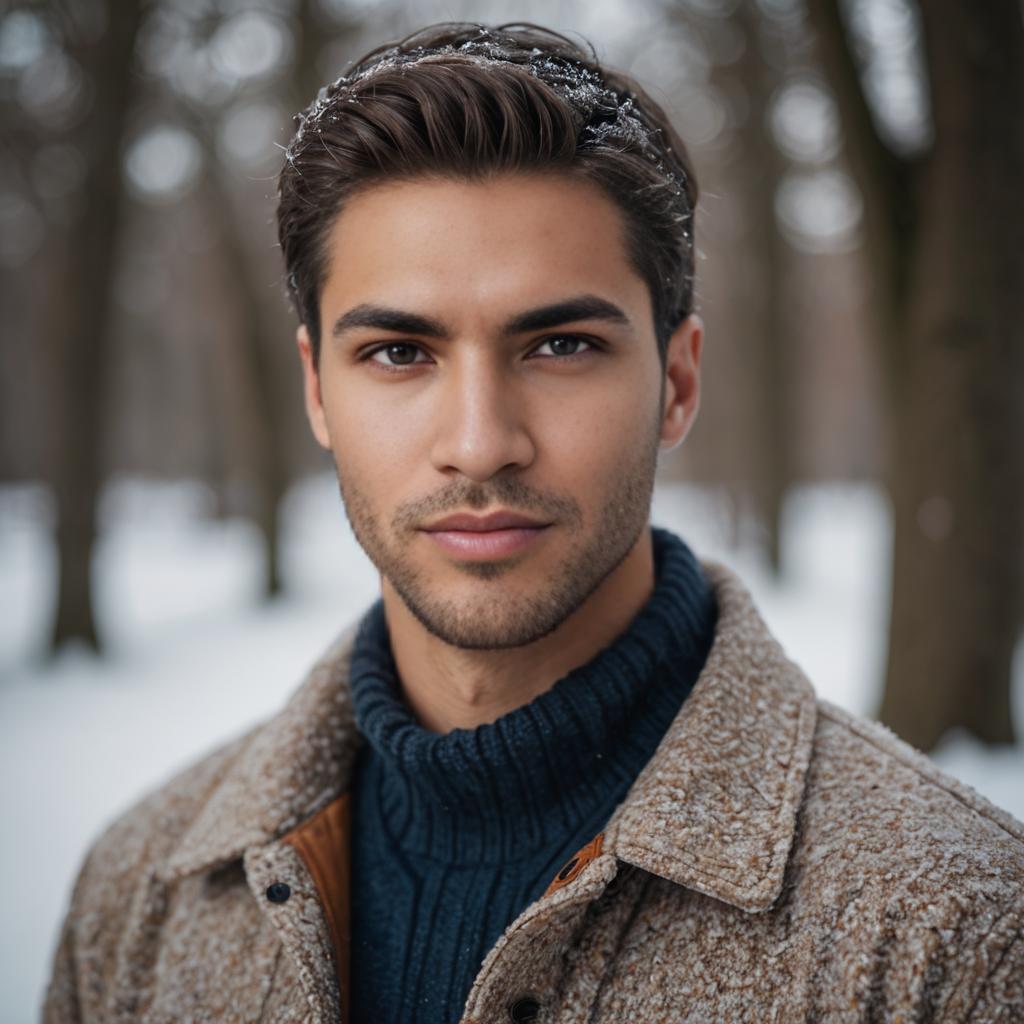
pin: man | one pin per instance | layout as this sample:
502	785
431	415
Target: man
561	771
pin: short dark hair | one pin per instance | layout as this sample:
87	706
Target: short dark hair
465	101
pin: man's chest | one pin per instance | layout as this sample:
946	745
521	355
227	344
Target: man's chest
616	944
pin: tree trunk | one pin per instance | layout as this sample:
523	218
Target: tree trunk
957	487
253	366
78	337
771	335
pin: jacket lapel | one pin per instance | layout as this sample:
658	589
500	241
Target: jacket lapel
715	809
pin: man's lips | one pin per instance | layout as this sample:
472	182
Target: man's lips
479	538
463	521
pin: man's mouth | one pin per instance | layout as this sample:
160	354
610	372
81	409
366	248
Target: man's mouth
477	538
493	521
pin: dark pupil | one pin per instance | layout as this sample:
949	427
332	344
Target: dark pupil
564	346
402	353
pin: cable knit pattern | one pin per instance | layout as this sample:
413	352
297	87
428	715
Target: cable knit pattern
776	860
456	833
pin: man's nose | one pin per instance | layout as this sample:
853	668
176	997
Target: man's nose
482	422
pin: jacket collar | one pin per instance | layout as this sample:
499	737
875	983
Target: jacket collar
287	770
715	808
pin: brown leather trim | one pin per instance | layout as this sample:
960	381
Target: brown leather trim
323	844
575	864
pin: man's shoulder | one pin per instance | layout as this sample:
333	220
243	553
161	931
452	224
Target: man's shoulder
880	816
244	792
145	833
856	759
295	745
148	831
897	865
117	867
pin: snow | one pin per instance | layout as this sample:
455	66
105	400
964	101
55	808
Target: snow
193	658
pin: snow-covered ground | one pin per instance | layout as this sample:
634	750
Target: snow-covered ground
193	659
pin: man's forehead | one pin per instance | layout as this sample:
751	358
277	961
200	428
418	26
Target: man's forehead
509	246
518	209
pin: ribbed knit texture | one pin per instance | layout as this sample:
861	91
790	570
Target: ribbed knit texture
455	834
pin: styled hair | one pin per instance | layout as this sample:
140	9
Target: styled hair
466	101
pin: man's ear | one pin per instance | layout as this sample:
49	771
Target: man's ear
311	388
682	381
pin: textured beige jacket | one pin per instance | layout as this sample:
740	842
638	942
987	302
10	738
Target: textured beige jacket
777	860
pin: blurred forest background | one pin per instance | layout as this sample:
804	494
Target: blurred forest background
861	233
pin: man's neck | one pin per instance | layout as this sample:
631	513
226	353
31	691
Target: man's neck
451	688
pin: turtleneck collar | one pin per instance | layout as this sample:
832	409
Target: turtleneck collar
501	791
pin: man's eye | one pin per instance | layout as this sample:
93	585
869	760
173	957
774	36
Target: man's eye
400	353
562	345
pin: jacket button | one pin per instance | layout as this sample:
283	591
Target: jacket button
525	1009
278	892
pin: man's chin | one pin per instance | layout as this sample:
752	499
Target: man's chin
486	622
474	636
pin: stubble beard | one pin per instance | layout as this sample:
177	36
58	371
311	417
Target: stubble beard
499	618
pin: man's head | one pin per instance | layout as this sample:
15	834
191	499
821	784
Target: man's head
489	243
466	101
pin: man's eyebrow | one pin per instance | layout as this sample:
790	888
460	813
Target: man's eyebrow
581	307
386	318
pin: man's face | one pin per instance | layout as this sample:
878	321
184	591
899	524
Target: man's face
435	402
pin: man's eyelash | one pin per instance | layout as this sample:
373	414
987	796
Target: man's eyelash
367	355
592	345
370	353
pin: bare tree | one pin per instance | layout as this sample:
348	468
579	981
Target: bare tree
944	230
77	334
772	335
255	353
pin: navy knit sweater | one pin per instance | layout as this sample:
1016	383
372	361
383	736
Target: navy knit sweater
455	834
